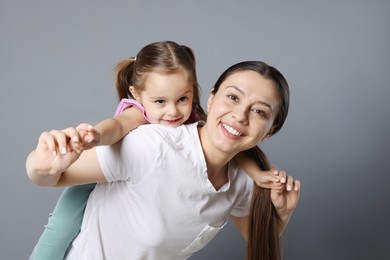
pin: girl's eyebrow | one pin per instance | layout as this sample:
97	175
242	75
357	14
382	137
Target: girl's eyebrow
156	97
243	93
187	92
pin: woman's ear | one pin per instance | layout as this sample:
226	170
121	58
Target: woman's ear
269	134
134	93
210	100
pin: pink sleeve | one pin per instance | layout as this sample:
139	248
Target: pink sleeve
127	103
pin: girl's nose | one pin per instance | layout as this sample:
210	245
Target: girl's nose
172	110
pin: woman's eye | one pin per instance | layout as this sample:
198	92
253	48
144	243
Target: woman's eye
260	112
232	97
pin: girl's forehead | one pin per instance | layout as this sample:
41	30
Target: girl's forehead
167	83
160	73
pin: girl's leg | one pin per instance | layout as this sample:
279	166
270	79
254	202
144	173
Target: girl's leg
63	224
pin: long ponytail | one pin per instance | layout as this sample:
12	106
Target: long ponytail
263	238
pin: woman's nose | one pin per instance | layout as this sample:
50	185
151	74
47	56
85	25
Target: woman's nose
241	115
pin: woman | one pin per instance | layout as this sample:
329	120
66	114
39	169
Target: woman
163	192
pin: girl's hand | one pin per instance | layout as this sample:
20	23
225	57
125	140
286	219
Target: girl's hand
266	179
89	136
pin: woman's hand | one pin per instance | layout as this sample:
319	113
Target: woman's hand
285	196
55	152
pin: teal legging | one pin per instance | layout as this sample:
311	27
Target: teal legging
63	224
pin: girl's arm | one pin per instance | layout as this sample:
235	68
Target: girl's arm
264	179
55	163
111	130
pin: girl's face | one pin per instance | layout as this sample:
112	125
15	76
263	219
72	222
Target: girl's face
167	98
241	113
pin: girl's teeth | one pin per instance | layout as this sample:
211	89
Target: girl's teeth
231	130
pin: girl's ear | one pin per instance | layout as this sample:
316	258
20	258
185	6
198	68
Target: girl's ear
134	93
210	100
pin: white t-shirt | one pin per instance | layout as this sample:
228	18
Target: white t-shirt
158	202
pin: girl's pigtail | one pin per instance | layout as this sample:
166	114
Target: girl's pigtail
124	78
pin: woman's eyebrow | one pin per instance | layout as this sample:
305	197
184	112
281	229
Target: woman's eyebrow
243	92
237	88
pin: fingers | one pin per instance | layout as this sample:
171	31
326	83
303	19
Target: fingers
266	179
271	175
280	174
67	140
278	181
84	126
292	185
297	185
292	195
60	141
286	183
74	139
47	141
86	132
289	183
286	199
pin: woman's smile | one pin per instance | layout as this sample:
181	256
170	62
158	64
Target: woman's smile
231	131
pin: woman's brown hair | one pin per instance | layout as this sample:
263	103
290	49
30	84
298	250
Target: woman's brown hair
263	238
164	57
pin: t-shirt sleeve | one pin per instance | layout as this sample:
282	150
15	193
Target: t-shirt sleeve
110	162
242	207
133	157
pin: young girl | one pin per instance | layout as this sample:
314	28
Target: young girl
162	78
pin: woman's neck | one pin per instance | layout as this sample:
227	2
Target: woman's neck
216	161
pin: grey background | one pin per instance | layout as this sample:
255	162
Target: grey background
56	70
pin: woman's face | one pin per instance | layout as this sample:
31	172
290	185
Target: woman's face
242	112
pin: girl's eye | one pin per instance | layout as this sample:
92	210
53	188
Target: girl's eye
182	99
159	101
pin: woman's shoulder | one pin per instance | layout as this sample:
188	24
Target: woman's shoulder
163	130
155	134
